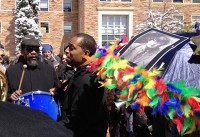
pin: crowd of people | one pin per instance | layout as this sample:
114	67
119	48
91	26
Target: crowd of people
87	109
82	102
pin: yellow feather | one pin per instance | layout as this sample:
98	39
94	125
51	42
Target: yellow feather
101	74
197	99
154	72
161	66
121	44
109	81
122	64
102	84
127	104
127	77
150	84
116	73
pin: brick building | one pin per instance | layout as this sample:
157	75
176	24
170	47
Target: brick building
103	19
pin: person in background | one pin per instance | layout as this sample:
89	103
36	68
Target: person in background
65	71
64	58
3	66
47	51
38	75
6	61
1	46
84	109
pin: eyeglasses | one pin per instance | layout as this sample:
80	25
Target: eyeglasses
31	49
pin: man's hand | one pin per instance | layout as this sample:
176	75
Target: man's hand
15	95
61	82
52	91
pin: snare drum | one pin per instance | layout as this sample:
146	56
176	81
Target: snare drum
40	100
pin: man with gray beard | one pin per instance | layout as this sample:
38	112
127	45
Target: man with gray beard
38	75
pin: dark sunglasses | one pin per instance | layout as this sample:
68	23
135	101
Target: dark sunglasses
30	49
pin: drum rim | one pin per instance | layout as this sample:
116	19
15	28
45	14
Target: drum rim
34	92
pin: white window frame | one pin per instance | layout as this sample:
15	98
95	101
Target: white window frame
70	6
193	22
69	23
125	13
47	6
48	26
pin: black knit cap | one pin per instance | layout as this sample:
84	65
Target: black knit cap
1	46
66	46
30	41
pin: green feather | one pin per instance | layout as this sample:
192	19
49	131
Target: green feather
109	72
142	78
170	94
97	55
151	92
186	109
186	124
180	85
171	112
130	98
190	91
109	62
111	86
155	101
106	62
124	92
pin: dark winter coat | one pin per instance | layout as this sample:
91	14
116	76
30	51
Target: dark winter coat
65	71
84	107
42	78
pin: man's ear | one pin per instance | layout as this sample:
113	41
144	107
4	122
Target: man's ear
23	51
87	52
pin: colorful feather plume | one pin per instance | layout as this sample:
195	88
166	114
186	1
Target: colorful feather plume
141	88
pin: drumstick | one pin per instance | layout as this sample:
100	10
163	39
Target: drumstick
22	76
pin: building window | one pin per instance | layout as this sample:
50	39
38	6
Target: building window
0	26
16	3
178	1
67	5
157	0
67	27
105	0
196	1
64	46
195	18
113	26
44	5
125	0
179	17
44	27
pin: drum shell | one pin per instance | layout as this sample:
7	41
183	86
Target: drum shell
40	100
